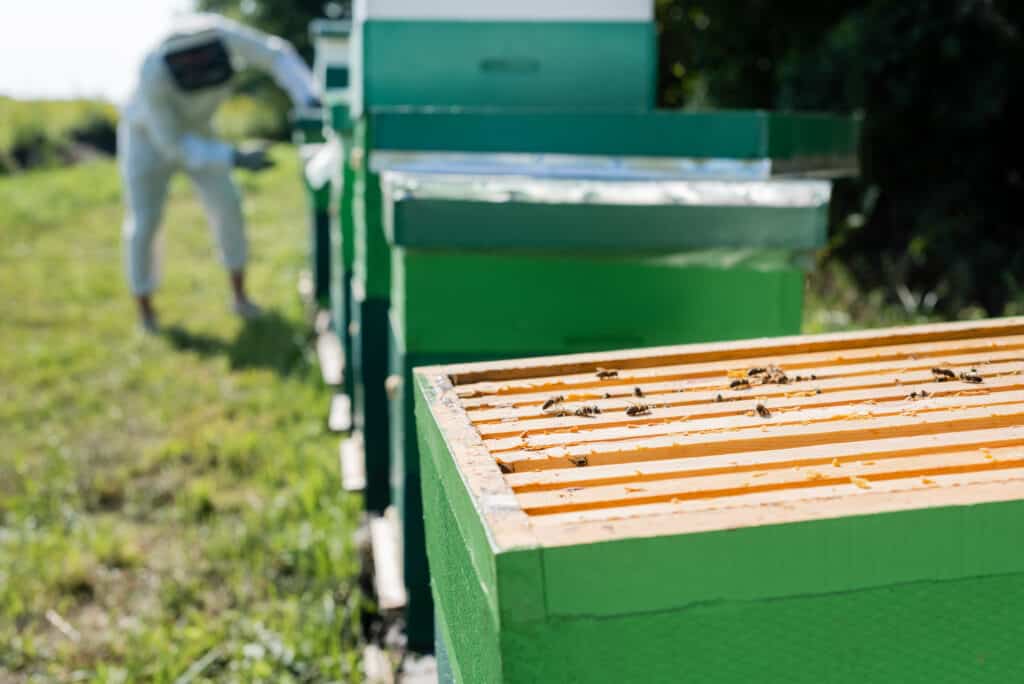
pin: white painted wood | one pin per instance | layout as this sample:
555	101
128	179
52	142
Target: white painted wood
332	358
353	463
377	667
492	10
340	417
388	578
418	669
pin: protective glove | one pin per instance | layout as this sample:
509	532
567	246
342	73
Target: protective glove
253	159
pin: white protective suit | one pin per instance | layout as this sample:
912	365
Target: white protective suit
165	128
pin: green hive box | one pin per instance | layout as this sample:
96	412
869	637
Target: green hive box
307	133
369	314
586	55
730	555
545	287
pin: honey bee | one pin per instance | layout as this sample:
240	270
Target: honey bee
756	371
587	411
972	377
637	392
552	402
605	374
741	383
775	376
918	395
763	411
638	410
943	374
607	395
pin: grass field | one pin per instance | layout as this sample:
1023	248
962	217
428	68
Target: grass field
168	506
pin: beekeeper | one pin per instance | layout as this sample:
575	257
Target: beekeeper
166	127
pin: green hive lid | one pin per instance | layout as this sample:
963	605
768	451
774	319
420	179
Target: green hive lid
330	28
643	144
450	211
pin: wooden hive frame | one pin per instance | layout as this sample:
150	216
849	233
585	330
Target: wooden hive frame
866	526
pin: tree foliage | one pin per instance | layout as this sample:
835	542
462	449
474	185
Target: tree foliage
935	213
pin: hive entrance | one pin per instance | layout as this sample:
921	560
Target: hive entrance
803	420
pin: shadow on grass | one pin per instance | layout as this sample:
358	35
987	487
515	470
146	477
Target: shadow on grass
270	341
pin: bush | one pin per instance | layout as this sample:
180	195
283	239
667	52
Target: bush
49	132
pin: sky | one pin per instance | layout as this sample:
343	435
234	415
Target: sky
77	48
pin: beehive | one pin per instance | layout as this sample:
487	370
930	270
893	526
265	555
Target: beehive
840	508
574	266
339	135
308	134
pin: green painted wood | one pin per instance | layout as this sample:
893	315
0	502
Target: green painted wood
473	648
341	253
516	303
811	135
477	594
337	77
372	259
369	341
732	134
445	672
813	558
320	255
513	64
308	128
339	113
341	203
515	224
406	487
341	320
320	198
952	631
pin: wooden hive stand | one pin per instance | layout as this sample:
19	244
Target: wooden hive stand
840	508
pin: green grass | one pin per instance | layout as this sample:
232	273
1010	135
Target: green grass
174	499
